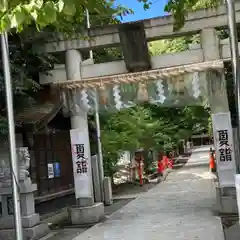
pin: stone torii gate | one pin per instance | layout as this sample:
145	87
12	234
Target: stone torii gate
188	77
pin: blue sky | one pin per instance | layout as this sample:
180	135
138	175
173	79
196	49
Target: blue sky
156	9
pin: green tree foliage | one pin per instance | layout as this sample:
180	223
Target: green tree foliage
149	127
62	15
69	14
49	16
25	65
168	46
180	8
139	127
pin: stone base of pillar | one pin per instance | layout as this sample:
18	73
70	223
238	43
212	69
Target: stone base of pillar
226	200
33	233
233	232
87	215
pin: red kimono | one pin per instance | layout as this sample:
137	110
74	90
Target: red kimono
160	166
165	162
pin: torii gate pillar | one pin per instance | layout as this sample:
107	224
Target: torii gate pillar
86	211
221	121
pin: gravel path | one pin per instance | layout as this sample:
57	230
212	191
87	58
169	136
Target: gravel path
178	209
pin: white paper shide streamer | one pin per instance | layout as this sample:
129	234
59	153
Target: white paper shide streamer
85	100
117	97
195	85
160	91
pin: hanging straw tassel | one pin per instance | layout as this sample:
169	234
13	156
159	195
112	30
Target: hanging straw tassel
142	94
180	85
103	95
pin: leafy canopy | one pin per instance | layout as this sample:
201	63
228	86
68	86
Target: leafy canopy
65	15
60	14
148	127
180	8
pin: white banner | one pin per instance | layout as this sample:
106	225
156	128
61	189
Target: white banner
50	170
224	146
81	163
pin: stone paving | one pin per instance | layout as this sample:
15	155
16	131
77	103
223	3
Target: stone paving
178	209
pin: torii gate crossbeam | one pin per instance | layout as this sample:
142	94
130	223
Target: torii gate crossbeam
155	29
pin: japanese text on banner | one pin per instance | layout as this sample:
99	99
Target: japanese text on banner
80	159
223	146
81	163
225	155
